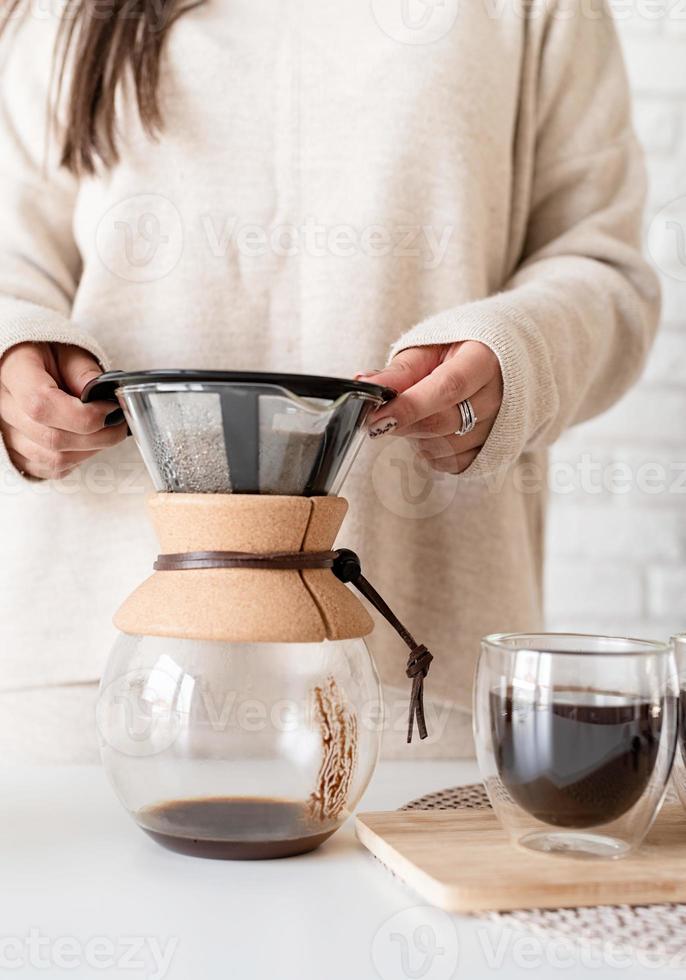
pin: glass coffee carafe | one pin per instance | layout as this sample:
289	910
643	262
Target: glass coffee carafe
239	713
239	750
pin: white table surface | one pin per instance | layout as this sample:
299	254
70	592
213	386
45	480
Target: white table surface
85	894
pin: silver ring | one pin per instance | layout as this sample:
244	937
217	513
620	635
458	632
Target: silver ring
468	417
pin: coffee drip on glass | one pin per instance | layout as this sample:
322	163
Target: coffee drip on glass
239	711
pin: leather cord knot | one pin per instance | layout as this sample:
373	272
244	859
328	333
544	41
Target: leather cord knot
418	665
347	567
420	659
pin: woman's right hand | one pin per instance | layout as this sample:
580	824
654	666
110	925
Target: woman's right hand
47	430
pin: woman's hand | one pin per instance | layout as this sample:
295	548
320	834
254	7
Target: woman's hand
46	428
431	382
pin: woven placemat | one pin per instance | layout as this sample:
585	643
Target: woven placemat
658	930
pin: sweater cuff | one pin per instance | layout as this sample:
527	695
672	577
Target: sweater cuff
530	397
21	323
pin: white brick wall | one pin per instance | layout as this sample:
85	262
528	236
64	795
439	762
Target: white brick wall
617	560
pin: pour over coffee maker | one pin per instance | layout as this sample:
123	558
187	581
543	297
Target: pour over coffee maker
239	710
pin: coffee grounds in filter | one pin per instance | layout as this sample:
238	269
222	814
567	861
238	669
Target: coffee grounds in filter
287	460
189	450
290	444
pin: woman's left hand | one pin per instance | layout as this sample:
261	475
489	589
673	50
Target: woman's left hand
431	382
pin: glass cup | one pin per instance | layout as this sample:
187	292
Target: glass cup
575	738
679	646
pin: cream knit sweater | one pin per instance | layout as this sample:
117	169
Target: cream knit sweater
331	183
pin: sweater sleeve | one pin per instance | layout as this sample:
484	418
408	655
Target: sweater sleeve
573	325
39	259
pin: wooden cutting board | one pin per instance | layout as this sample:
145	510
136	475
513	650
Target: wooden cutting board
462	861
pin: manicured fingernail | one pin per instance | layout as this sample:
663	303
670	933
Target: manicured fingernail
114	418
382	427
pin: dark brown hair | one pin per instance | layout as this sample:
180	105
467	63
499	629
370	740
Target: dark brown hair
99	44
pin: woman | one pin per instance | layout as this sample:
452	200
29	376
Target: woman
300	187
